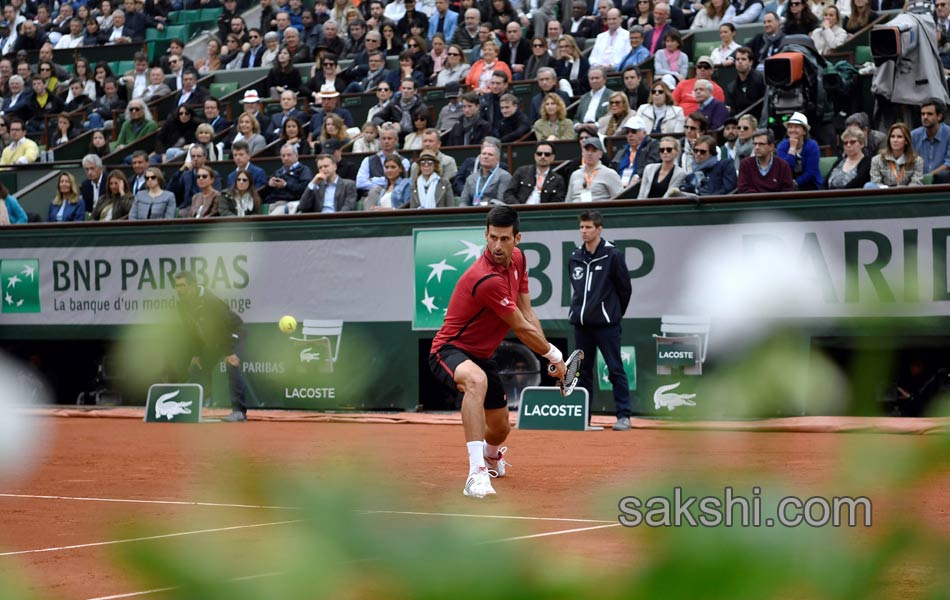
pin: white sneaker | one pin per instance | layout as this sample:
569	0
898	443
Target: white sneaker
497	465
479	484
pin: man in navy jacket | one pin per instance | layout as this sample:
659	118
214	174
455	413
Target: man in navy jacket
710	176
601	293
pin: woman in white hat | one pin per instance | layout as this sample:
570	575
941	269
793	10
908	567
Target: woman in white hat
801	153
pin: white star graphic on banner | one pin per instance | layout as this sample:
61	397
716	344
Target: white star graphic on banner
28	271
429	302
439	268
12	281
9	299
19	302
471	251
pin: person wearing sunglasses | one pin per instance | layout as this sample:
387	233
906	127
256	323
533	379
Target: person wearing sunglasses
664	177
853	170
799	20
661	115
206	201
639	151
537	183
685	93
138	123
711	176
593	181
153	202
744	147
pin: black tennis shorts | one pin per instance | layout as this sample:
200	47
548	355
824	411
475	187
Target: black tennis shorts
444	362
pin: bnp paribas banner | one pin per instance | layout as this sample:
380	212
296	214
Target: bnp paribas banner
851	267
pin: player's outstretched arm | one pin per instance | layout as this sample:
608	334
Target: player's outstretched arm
533	337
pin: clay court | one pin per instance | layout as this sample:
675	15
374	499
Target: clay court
106	470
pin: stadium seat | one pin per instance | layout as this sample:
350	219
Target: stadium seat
152	34
210	15
825	163
179	17
704	49
219	90
176	31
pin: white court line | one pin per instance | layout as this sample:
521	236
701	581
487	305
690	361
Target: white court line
151	537
173	588
550	533
134	501
467	516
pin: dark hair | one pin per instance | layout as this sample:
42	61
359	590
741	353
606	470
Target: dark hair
744	50
769	135
503	216
544	143
937	104
139	154
501	74
700	118
708	140
470	97
592	216
188	276
215	100
729	25
240	145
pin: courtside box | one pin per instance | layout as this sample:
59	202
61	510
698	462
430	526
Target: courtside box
174	403
545	408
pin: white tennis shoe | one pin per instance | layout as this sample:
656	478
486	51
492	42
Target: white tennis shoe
478	484
497	465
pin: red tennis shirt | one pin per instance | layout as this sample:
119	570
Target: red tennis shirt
483	294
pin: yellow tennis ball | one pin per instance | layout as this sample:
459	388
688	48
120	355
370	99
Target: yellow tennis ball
287	324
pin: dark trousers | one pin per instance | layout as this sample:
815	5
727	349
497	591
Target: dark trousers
607	339
235	374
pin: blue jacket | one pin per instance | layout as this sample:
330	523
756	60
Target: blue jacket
448	28
402	192
15	211
257	173
718	178
73	212
805	169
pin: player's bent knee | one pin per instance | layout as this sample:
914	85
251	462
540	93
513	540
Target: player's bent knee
471	378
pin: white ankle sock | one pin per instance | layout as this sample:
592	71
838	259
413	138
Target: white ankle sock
476	456
491	451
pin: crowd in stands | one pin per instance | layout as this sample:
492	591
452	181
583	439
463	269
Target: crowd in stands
672	128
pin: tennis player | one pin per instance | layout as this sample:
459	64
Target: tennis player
490	299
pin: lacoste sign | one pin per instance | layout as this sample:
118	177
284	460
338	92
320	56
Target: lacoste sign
545	408
174	403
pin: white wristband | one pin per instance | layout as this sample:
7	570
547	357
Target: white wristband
554	355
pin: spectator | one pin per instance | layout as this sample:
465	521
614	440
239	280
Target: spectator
213	116
711	15
578	24
763	172
638	52
730	137
74	38
455	69
212	62
619	111
242	199
613	45
153	202
139	160
432	143
539	59
136	80
490	106
801	153
537	183
488	182
392	41
99	145
711	176
641	14
94	35
271	46
553	124
451	113
82	72
413	140
292	133
443	20
671	59
11	213
204	137
853	170
746	127
371	172
177	132
516	51
799	20
471	129
661	179
514	124
661	26
400	111
249	132
76	100
67	204
874	140
480	75
466	36
683	95
723	55
299	52
42	104
283	76
897	164
830	35
932	141
769	41
661	115
157	88
22	150
117	201
288	110
548	84
241	154
327	192
330	103
862	15
192	94
428	189
394	191
64	131
743	11
94	185
107	103
640	150
500	14
368	140
593	182
288	183
327	80
749	85
138	123
572	65
594	104
715	111
206	201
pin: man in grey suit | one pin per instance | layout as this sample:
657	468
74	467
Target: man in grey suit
594	104
326	192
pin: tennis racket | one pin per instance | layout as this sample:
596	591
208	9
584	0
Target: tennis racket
572	373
